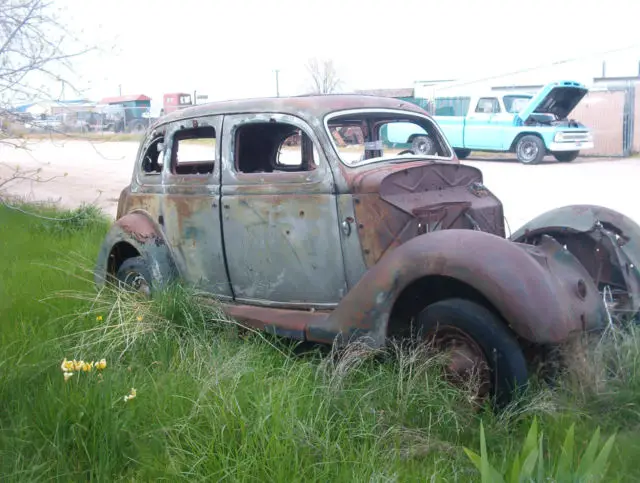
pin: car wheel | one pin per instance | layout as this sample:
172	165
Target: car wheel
422	145
134	276
462	153
530	149
479	347
566	156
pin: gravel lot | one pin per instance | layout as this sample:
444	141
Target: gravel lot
97	171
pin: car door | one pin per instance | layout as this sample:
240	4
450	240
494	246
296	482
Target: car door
280	223
480	132
190	202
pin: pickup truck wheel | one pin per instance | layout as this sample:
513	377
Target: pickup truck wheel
134	276
422	145
462	153
566	156
480	348
530	149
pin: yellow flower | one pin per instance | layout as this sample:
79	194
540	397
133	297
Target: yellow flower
67	375
99	318
77	365
139	318
131	395
66	366
87	366
101	364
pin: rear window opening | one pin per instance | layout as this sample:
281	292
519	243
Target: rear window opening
152	161
268	147
194	151
363	138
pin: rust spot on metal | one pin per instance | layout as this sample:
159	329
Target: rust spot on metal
286	319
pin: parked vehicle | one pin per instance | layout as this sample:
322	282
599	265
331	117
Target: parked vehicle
45	123
127	113
174	101
328	242
531	126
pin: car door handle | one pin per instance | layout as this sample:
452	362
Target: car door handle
346	226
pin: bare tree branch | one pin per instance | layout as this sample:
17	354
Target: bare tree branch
324	77
36	50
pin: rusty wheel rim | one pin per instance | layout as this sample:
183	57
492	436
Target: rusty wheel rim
136	283
466	365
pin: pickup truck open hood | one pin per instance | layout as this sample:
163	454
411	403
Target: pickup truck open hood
558	98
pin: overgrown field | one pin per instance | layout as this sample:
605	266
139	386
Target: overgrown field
212	403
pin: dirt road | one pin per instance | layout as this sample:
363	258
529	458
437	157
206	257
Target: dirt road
97	171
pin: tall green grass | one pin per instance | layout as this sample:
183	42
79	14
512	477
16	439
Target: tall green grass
217	403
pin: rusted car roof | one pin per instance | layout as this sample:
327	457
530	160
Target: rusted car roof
306	107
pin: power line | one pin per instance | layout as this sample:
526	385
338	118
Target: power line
541	66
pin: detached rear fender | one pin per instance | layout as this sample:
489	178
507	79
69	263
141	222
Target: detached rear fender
136	230
542	292
606	242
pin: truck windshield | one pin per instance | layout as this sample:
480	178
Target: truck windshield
514	104
366	137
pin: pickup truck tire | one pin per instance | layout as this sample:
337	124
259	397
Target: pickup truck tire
422	145
484	345
530	149
566	156
462	153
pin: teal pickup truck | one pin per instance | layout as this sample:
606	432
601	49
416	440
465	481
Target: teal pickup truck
529	125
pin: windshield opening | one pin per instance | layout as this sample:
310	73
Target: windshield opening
367	137
514	104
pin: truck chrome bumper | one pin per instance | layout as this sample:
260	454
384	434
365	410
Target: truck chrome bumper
571	146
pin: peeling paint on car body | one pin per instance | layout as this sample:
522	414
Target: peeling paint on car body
328	253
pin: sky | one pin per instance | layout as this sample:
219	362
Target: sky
230	49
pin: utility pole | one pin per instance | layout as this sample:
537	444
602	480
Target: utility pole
277	84
120	89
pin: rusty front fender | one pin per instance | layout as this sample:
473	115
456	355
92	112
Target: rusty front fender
606	242
542	292
137	231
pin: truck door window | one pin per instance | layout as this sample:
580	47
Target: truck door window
488	105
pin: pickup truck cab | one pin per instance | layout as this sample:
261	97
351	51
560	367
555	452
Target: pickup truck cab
529	125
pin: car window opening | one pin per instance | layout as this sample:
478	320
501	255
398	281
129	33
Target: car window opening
152	161
363	138
267	147
194	151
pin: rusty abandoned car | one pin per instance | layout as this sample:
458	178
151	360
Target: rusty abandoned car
304	232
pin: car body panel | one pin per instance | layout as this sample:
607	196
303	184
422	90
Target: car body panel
606	242
533	288
291	218
138	230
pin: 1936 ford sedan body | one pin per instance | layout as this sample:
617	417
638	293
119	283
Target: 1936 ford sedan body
295	215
